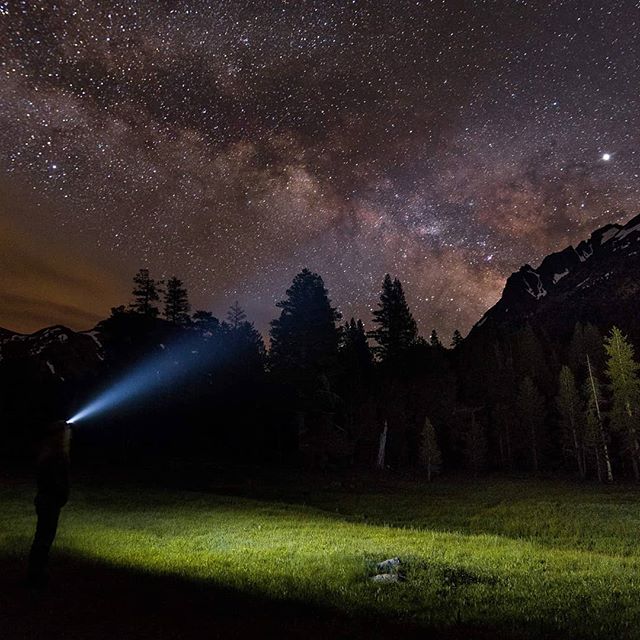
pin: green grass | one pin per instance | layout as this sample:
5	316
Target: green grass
533	559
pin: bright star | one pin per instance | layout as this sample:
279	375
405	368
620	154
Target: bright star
606	157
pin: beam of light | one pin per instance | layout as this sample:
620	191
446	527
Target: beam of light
168	367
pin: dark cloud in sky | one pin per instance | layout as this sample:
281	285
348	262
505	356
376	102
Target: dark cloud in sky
233	143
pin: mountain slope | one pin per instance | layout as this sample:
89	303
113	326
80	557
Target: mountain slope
597	281
56	351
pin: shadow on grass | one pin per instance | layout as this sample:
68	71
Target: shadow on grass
87	600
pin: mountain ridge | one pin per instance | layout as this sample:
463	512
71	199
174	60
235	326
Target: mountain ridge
530	292
595	281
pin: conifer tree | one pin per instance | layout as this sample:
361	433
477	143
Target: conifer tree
456	339
248	346
236	315
145	294
397	329
355	347
531	411
176	302
568	404
305	338
434	340
622	371
205	320
429	454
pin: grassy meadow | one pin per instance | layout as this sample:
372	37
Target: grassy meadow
485	559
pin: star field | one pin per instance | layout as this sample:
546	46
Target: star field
233	143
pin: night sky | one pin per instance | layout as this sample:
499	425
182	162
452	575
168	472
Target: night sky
233	143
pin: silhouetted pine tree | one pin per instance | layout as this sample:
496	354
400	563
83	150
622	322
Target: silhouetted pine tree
456	339
304	339
355	386
622	371
236	315
206	321
304	352
176	302
145	294
434	340
355	346
247	345
397	329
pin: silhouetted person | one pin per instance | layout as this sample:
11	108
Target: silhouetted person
53	493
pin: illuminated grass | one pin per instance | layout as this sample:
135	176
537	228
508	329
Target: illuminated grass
535	558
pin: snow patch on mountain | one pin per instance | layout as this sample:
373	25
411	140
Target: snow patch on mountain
623	233
610	233
537	290
558	276
94	336
586	253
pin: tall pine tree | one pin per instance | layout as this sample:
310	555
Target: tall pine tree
622	371
356	352
145	294
206	321
456	339
236	315
176	302
304	339
397	329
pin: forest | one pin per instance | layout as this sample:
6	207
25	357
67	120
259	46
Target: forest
328	394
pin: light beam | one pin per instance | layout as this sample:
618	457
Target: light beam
170	366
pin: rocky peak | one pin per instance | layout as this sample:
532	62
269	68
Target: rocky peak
527	289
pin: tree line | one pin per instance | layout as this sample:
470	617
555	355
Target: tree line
332	393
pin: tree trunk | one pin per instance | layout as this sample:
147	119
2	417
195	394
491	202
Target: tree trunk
605	448
382	447
607	459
